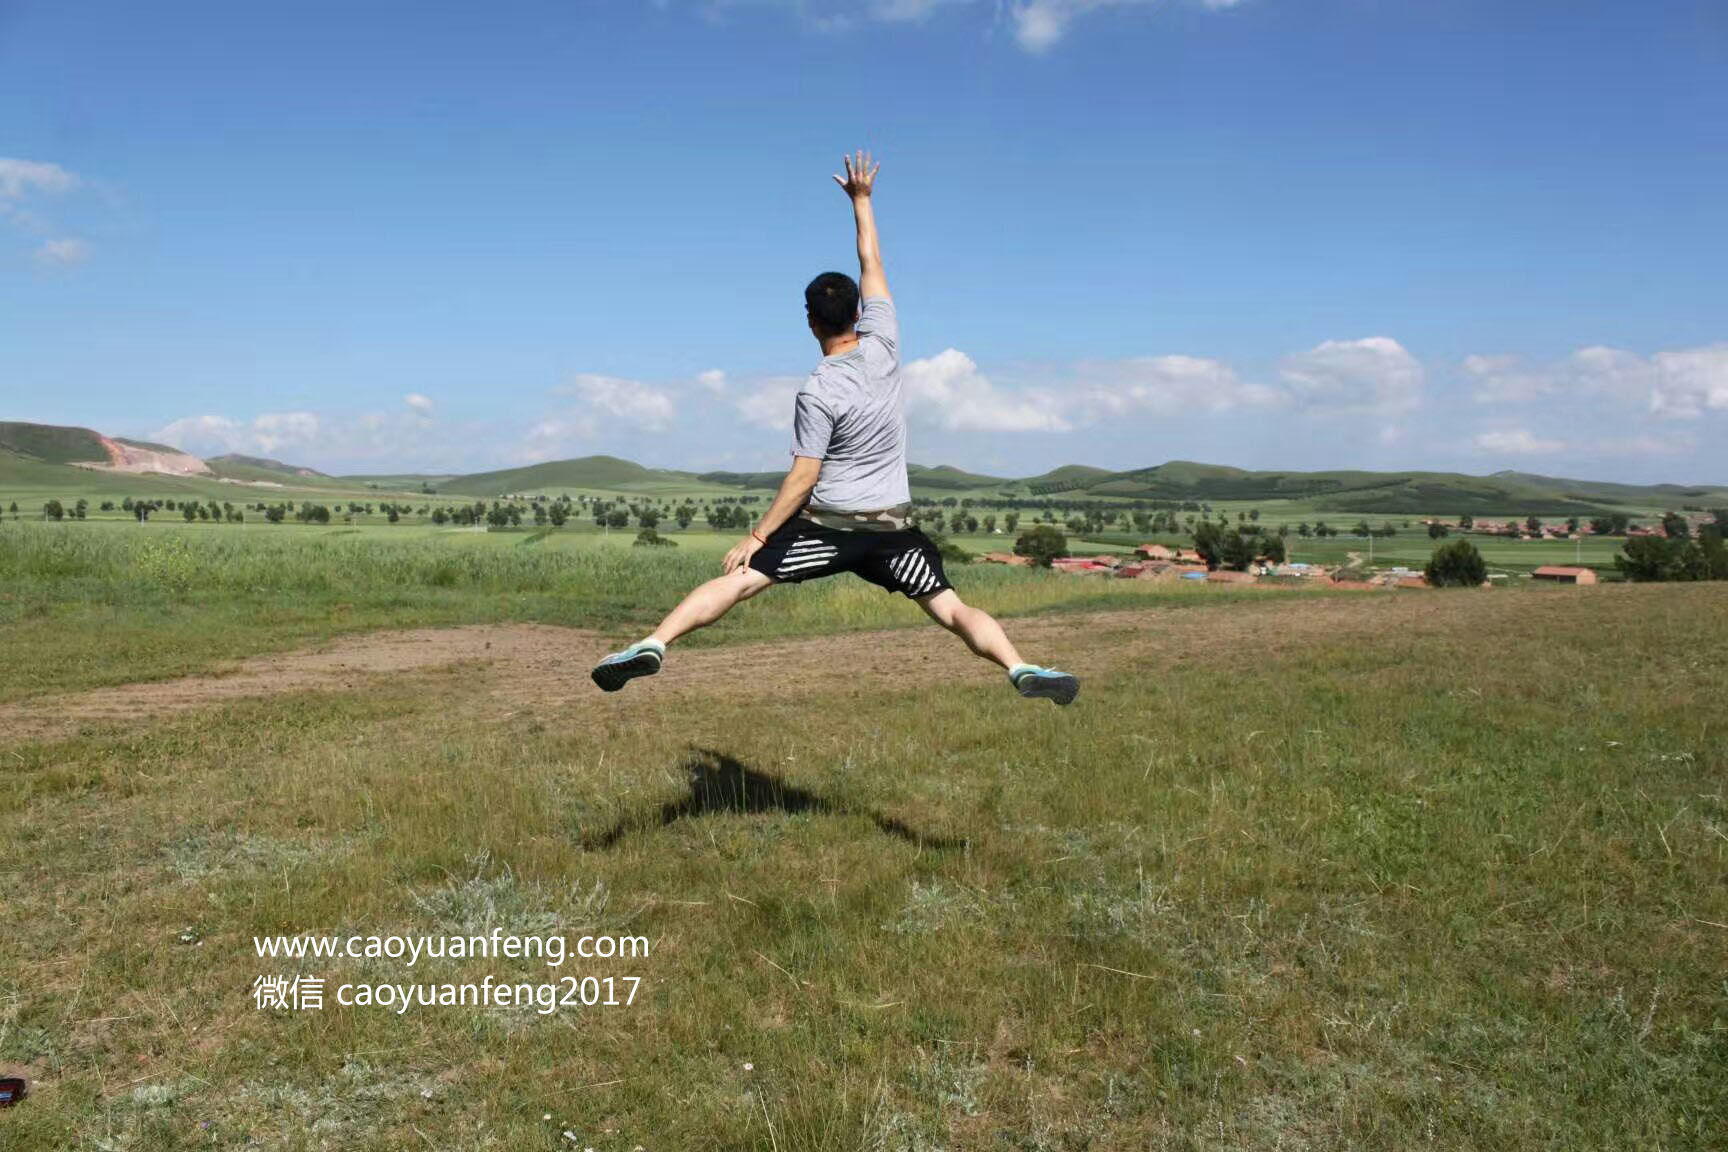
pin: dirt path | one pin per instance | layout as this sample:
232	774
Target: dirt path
348	664
544	666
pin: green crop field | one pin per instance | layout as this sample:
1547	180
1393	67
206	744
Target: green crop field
1298	870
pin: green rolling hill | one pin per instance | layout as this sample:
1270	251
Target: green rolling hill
607	473
1389	493
742	479
1068	478
944	478
38	459
925	481
51	443
261	470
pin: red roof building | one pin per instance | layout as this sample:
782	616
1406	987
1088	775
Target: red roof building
1561	574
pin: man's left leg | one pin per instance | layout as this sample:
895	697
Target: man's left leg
986	638
973	625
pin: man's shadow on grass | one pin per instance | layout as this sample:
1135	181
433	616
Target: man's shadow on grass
720	783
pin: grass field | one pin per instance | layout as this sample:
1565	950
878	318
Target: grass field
90	604
1410	549
1334	870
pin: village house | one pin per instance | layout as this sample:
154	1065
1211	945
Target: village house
1297	568
1152	571
1082	565
1562	574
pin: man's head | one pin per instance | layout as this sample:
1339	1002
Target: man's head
831	304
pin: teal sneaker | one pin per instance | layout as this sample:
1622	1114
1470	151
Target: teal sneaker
1038	683
640	659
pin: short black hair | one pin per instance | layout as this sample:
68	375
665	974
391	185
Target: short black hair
832	302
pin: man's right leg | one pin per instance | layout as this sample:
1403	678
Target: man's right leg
708	602
704	605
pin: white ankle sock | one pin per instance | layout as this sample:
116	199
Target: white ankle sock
650	642
1014	672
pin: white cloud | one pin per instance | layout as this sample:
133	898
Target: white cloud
19	178
615	400
604	405
550	438
201	435
274	431
391	438
63	253
1505	380
1608	372
1039	24
948	390
1168	386
769	403
264	435
1646	445
1036	25
838	15
1375	376
712	380
1679	384
1691	381
418	403
904	11
1517	442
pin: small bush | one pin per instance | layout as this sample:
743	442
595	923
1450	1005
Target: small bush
1043	544
1456	565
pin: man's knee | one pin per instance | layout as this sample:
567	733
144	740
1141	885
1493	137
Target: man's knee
743	584
945	607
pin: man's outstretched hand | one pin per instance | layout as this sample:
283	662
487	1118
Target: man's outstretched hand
860	178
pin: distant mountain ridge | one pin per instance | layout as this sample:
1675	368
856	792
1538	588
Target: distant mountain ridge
40	448
87	448
233	462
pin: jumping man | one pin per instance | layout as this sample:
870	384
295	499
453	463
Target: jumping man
844	504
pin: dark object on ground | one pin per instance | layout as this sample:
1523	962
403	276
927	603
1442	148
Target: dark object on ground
12	1090
721	784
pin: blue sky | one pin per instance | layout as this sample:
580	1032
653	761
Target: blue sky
1459	234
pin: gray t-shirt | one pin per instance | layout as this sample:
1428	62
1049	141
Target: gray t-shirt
850	416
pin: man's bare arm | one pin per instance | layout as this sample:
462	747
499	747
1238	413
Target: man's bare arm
794	492
859	182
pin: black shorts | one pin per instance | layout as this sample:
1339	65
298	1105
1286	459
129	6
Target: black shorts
903	561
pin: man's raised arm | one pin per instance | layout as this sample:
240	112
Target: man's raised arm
859	181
